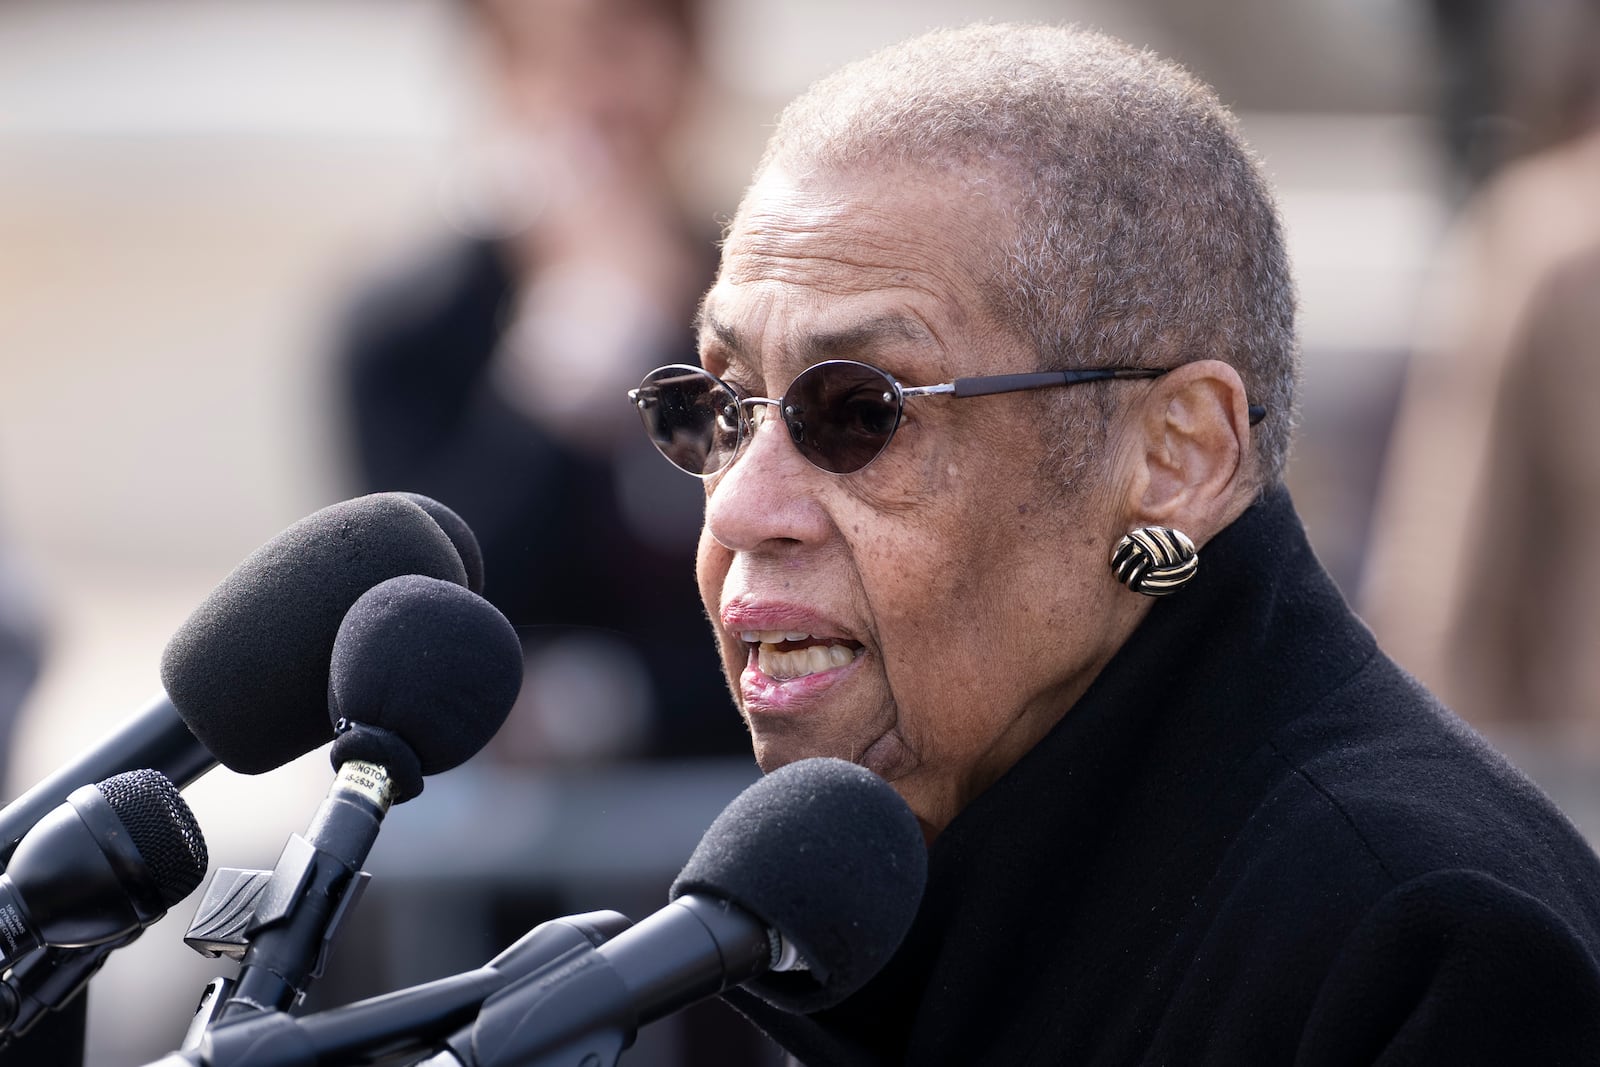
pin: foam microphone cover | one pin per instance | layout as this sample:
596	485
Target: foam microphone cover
248	670
826	853
425	661
460	535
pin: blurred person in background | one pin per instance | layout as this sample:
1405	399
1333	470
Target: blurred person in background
21	642
1483	579
486	374
1513	80
59	1038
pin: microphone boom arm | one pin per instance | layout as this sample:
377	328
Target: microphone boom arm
154	738
407	1022
586	1008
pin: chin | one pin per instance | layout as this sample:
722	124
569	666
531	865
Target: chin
772	752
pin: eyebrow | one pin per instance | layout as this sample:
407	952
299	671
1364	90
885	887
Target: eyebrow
724	332
866	334
829	344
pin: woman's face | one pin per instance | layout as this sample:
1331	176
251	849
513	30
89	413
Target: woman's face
932	615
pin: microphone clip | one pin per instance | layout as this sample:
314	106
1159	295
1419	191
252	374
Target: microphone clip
240	902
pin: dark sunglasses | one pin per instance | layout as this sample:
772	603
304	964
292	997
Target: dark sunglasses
840	414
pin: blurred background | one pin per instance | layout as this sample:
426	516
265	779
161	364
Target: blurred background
210	210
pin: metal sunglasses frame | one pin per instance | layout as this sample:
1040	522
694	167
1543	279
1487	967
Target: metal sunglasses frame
982	385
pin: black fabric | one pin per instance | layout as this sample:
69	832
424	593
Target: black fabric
1255	840
560	528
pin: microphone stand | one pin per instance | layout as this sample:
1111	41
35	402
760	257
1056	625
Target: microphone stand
585	1008
281	924
154	738
408	1022
44	981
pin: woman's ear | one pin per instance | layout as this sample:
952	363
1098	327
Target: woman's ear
1190	445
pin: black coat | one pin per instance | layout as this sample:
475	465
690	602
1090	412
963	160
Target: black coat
1255	840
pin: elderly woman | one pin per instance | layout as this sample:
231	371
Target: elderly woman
1003	333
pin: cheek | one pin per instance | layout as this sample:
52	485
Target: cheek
711	564
976	618
934	598
937	557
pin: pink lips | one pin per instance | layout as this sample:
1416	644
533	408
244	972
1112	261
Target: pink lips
742	613
764	695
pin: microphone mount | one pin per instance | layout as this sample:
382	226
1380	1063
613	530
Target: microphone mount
280	924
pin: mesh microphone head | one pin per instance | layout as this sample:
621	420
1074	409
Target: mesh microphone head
826	853
248	671
161	829
427	662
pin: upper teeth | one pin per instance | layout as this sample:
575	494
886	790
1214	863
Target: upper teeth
771	637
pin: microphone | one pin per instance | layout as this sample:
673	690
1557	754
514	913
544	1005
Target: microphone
248	670
407	1022
95	871
423	672
460	534
803	888
245	677
109	861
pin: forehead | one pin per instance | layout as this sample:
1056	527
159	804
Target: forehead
847	265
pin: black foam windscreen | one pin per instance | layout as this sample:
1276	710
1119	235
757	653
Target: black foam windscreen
248	670
460	535
161	829
429	661
826	853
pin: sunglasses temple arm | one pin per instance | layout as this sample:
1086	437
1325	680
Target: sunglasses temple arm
1012	383
989	384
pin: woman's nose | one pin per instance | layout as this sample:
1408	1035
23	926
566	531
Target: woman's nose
766	496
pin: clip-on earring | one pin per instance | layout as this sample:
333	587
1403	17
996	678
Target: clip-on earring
1155	560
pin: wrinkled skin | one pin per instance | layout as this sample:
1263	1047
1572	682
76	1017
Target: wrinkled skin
974	596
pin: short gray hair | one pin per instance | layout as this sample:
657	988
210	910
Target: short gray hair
1143	232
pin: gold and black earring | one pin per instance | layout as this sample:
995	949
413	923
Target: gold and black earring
1155	560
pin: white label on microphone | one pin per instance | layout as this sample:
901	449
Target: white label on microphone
12	928
370	780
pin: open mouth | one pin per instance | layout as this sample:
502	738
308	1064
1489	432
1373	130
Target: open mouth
784	655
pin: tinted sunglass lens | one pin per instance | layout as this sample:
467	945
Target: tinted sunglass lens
691	417
841	414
